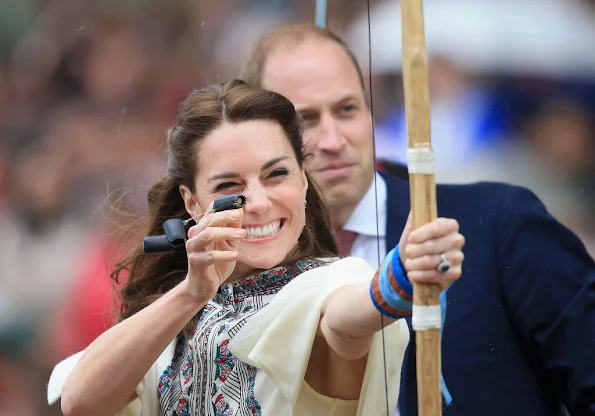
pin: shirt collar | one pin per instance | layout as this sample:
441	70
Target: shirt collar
363	220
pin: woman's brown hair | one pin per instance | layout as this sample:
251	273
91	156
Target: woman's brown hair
150	276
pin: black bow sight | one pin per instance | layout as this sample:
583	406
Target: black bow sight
175	228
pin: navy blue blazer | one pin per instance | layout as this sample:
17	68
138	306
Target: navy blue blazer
519	336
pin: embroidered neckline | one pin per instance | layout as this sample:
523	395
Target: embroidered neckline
264	282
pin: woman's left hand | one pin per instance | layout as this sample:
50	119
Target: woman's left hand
420	251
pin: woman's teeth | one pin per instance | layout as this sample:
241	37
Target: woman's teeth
265	231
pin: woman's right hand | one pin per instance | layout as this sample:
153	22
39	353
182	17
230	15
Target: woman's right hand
212	249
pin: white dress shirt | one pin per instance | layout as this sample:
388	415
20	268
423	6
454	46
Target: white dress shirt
369	221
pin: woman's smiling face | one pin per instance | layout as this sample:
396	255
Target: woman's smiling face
256	159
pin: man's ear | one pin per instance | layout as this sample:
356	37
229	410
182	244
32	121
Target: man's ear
192	206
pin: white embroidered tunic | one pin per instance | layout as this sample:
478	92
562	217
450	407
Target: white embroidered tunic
251	349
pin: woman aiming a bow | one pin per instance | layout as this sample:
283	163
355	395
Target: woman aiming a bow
257	315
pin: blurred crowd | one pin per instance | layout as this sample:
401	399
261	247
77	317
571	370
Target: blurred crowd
87	90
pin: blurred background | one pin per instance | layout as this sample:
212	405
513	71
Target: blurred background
87	90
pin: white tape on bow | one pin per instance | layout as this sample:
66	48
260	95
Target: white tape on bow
426	317
421	161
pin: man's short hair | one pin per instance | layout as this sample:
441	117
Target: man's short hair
292	35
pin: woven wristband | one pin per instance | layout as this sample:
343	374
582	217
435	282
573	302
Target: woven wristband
388	296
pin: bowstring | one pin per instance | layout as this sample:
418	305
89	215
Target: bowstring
376	198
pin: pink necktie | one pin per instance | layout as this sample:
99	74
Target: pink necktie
344	240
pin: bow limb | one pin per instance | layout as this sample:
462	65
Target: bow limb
426	319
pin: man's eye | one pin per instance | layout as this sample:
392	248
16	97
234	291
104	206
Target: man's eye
307	118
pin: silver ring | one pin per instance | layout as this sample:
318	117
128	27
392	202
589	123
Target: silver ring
444	264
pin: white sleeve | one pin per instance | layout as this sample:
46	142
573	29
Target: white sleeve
278	340
146	403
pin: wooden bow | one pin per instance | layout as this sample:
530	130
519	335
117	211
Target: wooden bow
420	160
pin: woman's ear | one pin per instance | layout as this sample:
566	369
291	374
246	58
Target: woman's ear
192	206
305	181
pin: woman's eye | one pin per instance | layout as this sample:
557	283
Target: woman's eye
278	172
225	185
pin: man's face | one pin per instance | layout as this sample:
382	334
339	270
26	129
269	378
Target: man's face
320	80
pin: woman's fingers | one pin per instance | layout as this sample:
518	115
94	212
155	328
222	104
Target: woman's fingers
211	235
433	276
453	241
433	230
431	262
217	219
207	258
424	250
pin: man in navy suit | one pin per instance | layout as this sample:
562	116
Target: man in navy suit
519	337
